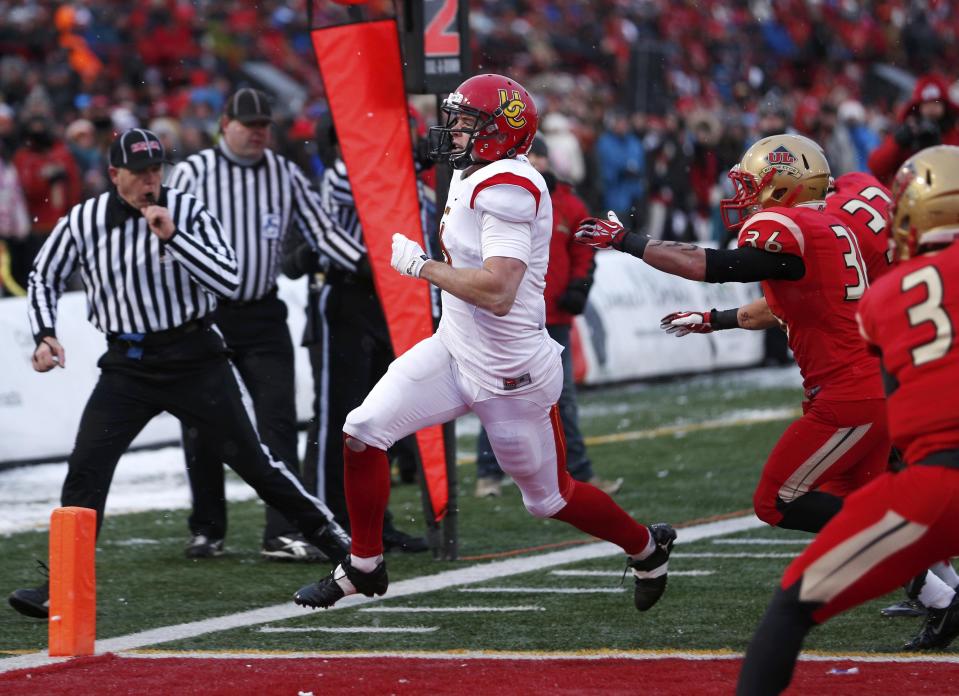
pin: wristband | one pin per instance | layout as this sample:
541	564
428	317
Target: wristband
633	244
725	319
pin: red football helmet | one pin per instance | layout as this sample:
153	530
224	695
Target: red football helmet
505	116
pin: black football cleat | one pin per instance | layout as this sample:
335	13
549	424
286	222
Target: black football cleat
332	541
939	630
907	608
33	602
291	547
395	540
329	590
650	572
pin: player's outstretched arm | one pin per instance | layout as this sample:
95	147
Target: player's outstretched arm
756	316
675	258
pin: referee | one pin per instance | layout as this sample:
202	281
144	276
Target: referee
257	195
153	262
349	344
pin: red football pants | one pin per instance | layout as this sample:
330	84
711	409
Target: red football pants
836	447
887	532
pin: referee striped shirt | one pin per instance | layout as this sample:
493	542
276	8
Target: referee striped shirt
336	196
134	283
256	203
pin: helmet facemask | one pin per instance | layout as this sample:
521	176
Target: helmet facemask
745	201
442	146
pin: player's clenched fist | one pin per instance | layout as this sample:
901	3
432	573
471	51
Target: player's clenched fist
681	323
408	257
601	234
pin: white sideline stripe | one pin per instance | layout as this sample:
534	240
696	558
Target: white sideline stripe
591	655
449	610
349	629
619	574
762	542
709	554
414	586
544	590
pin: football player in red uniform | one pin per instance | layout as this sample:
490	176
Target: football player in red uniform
903	521
812	275
861	202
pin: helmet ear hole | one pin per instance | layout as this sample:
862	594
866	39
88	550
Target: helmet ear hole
805	162
779	193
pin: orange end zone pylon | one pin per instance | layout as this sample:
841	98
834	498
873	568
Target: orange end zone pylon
73	581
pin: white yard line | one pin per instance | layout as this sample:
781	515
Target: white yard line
619	573
543	590
349	629
414	586
762	542
590	655
449	610
709	554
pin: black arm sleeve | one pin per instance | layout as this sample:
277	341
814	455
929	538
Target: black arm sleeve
746	265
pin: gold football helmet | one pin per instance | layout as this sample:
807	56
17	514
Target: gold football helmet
924	212
779	170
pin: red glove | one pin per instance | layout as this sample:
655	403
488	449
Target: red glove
601	234
682	323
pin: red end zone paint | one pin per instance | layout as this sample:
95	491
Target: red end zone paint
110	674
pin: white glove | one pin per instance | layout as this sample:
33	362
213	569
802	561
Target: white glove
408	257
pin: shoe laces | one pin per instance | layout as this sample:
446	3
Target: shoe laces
43	569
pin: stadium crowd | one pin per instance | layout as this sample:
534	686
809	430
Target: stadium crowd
646	104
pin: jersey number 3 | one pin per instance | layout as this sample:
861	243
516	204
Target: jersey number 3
853	260
929	310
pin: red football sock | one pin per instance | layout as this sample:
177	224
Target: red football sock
594	512
366	477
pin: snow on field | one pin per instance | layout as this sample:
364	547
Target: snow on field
156	479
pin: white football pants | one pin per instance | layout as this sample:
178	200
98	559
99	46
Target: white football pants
424	387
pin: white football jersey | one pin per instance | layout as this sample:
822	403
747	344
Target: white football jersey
503	209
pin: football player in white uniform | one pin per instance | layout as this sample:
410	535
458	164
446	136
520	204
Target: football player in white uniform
491	354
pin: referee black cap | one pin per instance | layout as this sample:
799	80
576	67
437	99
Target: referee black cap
137	149
248	105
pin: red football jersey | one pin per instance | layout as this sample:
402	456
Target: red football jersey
910	316
819	310
860	202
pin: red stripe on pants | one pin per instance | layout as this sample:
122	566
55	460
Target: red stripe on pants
589	509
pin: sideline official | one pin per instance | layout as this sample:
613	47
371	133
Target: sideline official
256	195
153	262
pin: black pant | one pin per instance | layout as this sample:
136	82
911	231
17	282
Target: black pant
259	340
191	378
350	350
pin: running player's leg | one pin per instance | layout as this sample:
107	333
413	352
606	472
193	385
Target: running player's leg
418	390
829	440
886	533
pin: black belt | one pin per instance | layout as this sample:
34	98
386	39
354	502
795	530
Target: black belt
947	458
337	276
136	342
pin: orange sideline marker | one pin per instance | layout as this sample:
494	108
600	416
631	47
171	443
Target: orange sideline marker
73	583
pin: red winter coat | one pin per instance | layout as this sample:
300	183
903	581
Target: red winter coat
51	184
568	260
885	159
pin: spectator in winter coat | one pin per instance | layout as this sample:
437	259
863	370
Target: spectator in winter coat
929	118
622	162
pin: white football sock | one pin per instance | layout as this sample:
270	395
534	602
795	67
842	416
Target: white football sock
935	594
945	572
647	552
365	565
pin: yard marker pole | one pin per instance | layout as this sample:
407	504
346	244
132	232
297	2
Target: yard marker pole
73	584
